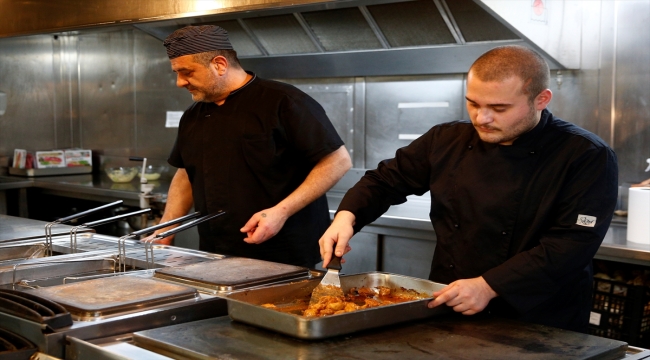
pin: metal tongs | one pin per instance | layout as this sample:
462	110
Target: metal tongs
121	242
73	231
148	243
48	226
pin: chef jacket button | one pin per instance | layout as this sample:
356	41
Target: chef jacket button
207	115
451	266
470	147
532	153
504	233
456	226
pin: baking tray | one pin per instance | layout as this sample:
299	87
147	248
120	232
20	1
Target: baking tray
232	273
245	306
96	299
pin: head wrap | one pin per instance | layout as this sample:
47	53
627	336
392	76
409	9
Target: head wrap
196	39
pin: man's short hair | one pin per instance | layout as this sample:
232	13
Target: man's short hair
205	58
503	62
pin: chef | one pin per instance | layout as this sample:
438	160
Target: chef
261	150
520	199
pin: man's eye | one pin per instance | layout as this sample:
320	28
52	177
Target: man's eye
499	109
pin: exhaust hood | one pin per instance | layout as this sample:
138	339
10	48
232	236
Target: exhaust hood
281	39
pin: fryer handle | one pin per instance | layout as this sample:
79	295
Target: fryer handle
136	158
188	225
87	212
165	224
115	218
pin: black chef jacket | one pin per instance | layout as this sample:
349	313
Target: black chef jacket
247	155
527	217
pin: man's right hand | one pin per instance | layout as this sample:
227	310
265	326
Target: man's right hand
164	241
339	233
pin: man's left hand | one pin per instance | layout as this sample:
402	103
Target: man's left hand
467	296
263	225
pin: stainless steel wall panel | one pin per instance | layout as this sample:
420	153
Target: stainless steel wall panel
26	76
107	92
576	87
336	96
359	124
66	72
606	74
632	89
155	94
407	106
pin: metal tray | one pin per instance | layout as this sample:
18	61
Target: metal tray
14	271
95	299
245	306
13	252
164	255
232	273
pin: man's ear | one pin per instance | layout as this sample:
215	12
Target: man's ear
220	63
542	99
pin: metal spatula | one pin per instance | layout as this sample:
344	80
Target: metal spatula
331	284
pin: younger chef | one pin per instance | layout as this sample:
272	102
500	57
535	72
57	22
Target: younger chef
520	199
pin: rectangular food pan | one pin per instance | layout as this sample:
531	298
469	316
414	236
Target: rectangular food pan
245	306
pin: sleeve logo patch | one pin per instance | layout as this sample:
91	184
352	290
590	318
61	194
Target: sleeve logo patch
586	220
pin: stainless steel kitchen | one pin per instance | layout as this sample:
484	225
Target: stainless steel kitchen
95	109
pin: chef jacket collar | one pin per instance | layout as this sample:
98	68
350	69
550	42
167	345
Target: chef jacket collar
529	137
245	85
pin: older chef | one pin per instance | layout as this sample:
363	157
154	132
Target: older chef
263	151
520	199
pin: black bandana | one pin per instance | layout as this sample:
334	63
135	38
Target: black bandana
196	39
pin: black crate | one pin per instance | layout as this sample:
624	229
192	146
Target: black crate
621	311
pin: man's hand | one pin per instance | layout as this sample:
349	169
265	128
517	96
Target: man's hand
340	232
164	241
264	225
467	296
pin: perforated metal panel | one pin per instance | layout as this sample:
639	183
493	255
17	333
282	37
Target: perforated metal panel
239	39
281	34
342	29
477	25
415	23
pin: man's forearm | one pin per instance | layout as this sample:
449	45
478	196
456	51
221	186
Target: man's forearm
322	177
179	197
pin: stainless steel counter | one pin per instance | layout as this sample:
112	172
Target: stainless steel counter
411	217
9	183
445	337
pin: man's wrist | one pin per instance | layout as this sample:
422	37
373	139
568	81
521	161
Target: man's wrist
345	216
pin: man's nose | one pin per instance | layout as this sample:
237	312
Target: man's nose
483	116
180	81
